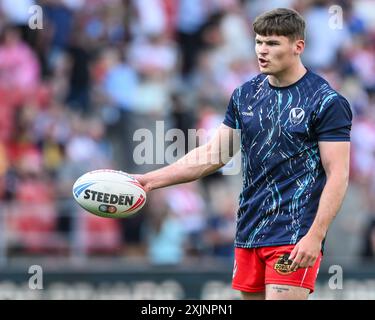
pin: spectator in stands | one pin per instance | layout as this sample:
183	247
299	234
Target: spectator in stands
165	233
19	66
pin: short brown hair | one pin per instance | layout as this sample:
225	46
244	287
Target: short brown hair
280	22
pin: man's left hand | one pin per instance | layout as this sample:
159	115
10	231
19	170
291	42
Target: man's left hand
305	252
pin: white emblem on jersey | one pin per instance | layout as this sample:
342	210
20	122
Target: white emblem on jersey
250	113
296	116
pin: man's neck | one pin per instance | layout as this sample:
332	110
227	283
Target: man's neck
287	77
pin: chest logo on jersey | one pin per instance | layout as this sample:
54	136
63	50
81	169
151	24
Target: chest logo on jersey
296	116
250	113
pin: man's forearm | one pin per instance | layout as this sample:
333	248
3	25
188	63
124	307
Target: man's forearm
330	203
198	163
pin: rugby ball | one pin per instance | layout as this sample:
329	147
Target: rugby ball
109	193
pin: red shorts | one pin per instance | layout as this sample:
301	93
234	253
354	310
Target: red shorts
256	267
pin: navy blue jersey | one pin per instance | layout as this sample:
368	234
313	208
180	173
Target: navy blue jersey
283	176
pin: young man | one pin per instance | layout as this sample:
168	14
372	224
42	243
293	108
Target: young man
295	133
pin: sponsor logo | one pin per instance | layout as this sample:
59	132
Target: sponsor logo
122	200
282	265
250	112
296	116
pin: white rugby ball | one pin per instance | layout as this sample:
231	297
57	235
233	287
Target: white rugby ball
109	193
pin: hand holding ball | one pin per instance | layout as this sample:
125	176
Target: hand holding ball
109	193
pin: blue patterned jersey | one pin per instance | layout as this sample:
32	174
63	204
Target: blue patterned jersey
283	176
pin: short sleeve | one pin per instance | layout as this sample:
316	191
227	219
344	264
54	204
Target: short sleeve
230	115
334	121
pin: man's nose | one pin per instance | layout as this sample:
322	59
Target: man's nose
263	49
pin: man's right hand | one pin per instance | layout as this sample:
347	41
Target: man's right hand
142	180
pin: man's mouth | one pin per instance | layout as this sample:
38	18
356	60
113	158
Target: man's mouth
263	62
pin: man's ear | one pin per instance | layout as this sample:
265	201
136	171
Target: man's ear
299	46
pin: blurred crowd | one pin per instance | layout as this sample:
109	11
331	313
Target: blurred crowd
73	92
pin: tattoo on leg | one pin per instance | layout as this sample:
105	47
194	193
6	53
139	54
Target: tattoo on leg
280	289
